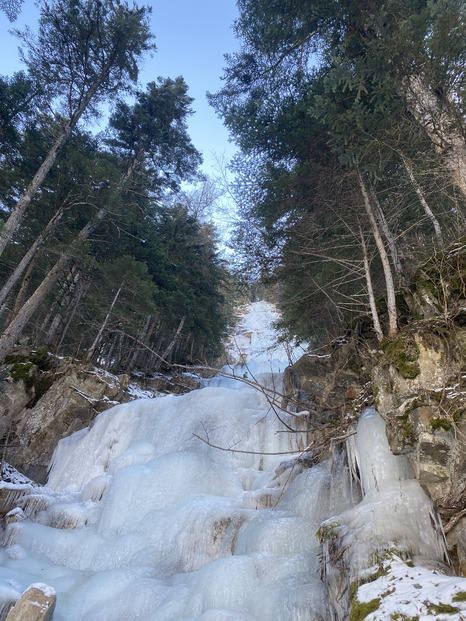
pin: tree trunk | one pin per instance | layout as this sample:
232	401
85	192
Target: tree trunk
370	291
141	338
438	122
78	295
393	246
427	210
19	210
23	290
17	325
172	343
69	286
390	287
27	258
93	347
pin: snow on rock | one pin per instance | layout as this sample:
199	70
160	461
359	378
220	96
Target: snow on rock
13	485
37	603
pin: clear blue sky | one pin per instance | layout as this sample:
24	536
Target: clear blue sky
191	38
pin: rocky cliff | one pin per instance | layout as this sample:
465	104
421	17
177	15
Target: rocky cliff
417	382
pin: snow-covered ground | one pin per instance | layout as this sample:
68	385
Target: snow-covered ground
192	508
415	593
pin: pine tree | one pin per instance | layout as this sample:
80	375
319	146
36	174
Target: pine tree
85	52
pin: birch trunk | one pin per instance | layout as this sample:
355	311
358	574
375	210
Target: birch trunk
370	291
391	241
427	210
390	287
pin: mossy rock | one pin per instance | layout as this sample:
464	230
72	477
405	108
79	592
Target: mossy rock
442	609
408	437
40	358
32	369
403	353
438	423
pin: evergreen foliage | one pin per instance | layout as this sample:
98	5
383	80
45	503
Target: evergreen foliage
350	121
110	266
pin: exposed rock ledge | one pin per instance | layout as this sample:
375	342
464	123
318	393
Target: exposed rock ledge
418	383
44	398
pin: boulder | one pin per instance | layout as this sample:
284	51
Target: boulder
44	402
37	603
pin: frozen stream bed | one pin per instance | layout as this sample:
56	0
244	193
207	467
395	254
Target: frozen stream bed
191	508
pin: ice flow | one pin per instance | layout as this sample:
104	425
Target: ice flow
187	507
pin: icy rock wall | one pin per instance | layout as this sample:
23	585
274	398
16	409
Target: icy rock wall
424	406
395	516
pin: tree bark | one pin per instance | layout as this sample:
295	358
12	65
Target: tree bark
78	295
27	258
172	343
392	244
438	122
24	288
17	325
19	210
427	210
390	287
142	339
370	291
94	345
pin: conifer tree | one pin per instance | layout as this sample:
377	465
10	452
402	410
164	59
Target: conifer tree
85	52
351	80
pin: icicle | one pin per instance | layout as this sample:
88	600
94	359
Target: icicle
374	459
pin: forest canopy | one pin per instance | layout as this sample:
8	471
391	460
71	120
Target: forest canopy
101	256
350	122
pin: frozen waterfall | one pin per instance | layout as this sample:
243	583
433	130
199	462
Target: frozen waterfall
192	508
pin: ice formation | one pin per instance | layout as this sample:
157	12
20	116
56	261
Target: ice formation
183	508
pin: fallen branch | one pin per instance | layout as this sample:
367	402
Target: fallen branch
233	450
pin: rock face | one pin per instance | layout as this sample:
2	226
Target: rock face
425	411
419	386
37	603
330	386
43	399
418	381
